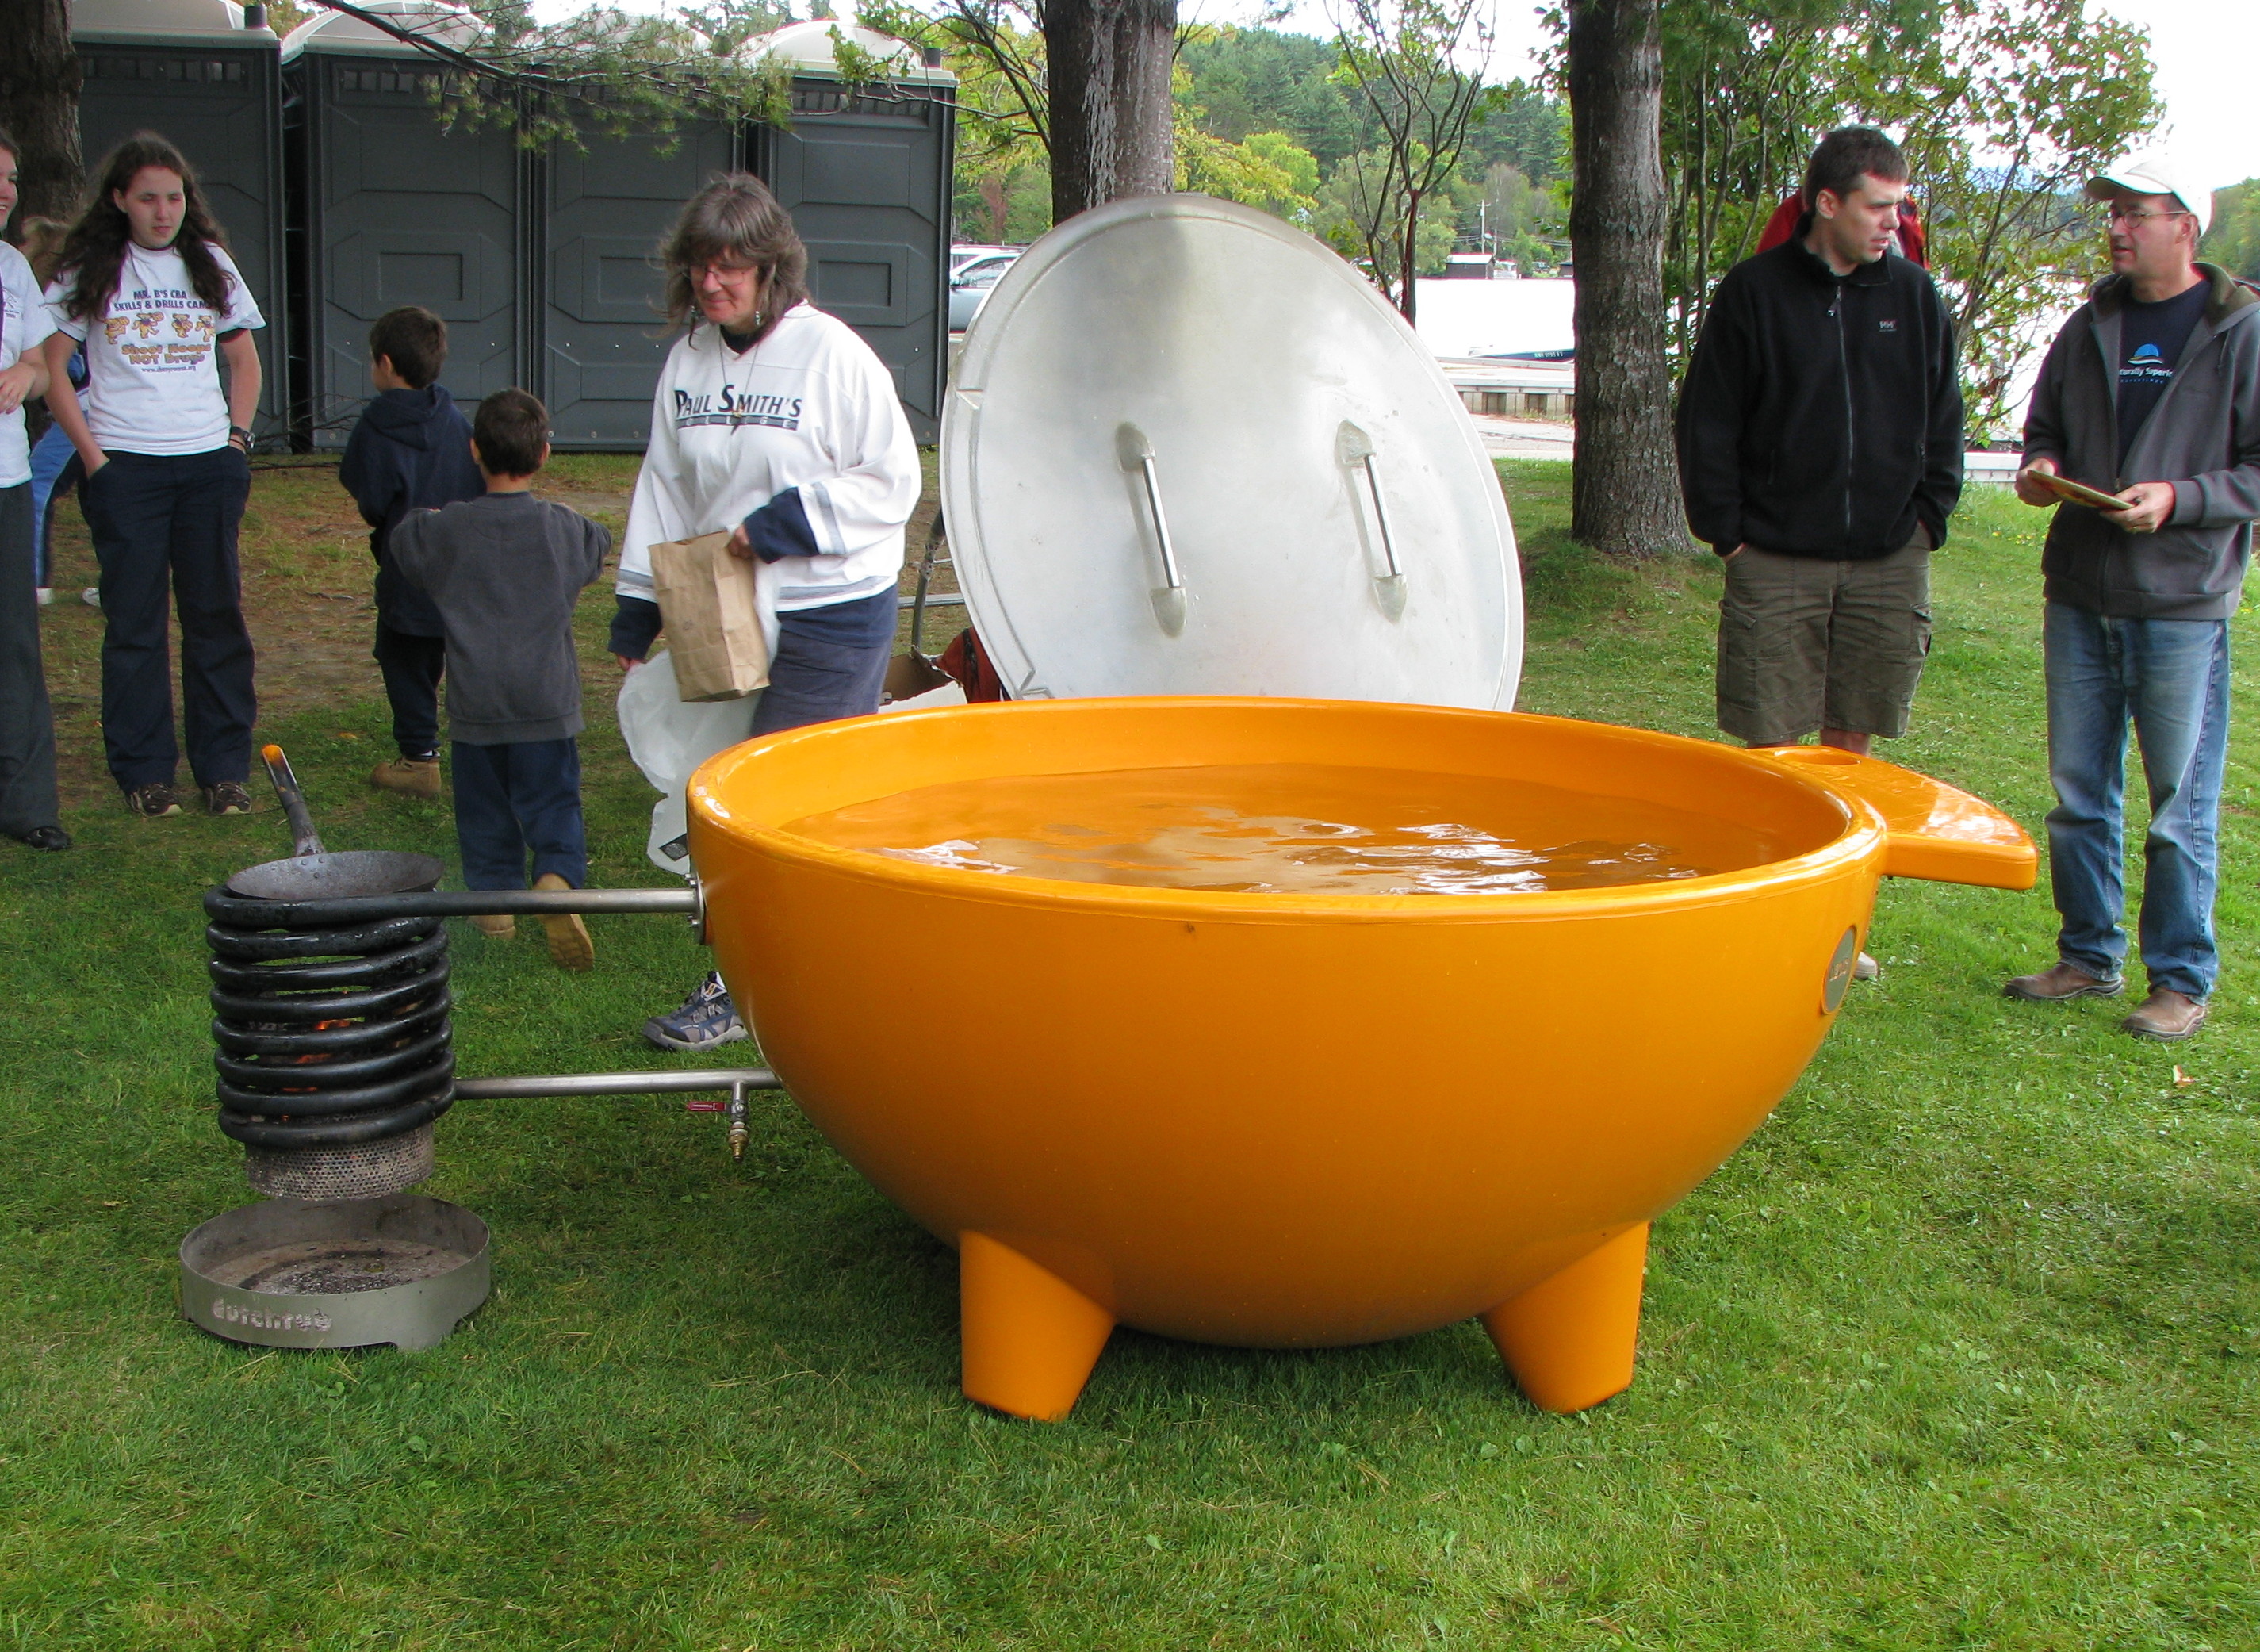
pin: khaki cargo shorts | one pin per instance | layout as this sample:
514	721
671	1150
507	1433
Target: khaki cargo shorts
1805	643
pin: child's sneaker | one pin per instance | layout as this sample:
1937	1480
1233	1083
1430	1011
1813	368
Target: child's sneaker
229	797
569	946
707	1020
153	801
415	776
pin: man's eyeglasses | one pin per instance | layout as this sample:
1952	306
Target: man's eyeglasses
2132	217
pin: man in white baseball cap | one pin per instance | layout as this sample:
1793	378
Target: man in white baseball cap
2155	175
2149	399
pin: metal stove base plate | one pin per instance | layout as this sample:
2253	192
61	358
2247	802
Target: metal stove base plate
290	1273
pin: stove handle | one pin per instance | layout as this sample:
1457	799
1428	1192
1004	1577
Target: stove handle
1136	454
1354	447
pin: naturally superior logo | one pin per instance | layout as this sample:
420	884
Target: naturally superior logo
2147	365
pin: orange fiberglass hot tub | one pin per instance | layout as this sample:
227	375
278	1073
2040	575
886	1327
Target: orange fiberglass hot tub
1287	1118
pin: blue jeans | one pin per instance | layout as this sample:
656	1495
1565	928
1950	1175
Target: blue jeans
2170	678
831	662
516	798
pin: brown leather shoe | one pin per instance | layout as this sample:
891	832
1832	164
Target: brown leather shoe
416	777
569	946
2164	1016
2060	986
494	925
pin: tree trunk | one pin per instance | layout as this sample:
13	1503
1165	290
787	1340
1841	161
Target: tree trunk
1108	70
1625	488
39	105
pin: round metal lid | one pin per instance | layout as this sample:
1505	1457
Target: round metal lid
1189	450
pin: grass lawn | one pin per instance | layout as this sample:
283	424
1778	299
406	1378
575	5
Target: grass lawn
1962	1350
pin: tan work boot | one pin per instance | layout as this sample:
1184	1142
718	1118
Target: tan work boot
2165	1017
2060	985
569	946
416	777
494	925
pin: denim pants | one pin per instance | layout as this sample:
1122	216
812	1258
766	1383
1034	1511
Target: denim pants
2170	678
831	662
160	520
516	799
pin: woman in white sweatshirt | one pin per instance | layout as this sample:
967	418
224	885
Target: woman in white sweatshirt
777	422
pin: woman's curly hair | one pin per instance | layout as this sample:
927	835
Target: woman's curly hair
93	252
734	220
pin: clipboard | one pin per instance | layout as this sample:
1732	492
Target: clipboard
2078	492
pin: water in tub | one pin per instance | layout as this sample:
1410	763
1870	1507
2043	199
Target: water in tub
1296	828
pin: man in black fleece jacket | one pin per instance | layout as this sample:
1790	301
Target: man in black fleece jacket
411	451
1820	453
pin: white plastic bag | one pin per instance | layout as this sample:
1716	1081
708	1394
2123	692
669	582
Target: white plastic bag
668	739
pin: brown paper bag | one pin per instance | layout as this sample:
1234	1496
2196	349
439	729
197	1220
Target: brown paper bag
713	628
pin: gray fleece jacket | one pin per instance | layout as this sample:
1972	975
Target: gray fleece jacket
504	571
2203	436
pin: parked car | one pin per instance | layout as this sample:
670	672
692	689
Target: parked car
964	253
969	285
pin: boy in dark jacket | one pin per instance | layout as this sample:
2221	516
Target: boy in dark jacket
411	451
503	572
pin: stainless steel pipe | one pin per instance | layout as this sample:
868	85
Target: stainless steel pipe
252	913
542	1084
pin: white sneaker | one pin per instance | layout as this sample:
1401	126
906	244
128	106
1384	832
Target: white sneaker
91	596
47	595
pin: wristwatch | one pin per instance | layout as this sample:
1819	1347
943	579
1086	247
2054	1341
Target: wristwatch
237	432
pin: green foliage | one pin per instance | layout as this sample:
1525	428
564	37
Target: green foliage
1360	194
1420	65
1270	170
604	70
2004	107
2233	240
1248	80
1526	222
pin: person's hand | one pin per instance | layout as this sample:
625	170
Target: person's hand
2148	505
1737	551
14	384
741	544
627	665
2033	492
89	466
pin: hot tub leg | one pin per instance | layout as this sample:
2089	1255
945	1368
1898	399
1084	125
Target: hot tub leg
1568	1340
1029	1338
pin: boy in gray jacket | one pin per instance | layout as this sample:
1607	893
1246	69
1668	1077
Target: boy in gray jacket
504	572
2151	393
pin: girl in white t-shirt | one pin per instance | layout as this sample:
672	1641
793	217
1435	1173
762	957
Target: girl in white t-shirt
27	727
147	285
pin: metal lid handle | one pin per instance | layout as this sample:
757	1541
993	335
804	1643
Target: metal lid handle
1137	454
1355	448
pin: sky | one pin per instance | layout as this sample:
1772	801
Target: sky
2207	52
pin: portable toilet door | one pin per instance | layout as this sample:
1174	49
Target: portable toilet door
606	207
865	173
390	208
191	72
